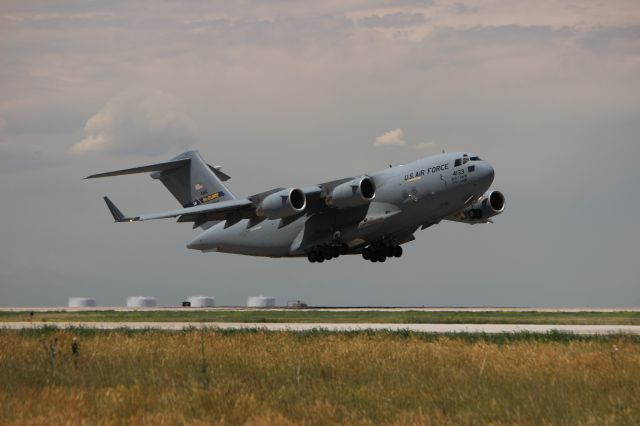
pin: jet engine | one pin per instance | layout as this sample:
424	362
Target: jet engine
351	194
491	204
281	204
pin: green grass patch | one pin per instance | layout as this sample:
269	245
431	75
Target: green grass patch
553	336
314	316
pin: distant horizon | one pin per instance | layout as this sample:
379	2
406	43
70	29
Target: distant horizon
313	307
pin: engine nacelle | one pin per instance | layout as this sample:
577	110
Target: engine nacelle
491	204
351	194
285	203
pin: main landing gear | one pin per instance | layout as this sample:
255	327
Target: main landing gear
321	253
377	252
380	253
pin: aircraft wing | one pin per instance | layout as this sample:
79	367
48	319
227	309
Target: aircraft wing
232	210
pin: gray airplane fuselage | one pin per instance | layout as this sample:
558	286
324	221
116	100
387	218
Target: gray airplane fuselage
407	197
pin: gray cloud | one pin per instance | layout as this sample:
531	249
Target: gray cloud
393	20
462	8
506	34
607	40
293	93
143	122
280	31
18	158
412	2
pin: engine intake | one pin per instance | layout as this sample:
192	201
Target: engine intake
352	194
492	203
285	203
496	201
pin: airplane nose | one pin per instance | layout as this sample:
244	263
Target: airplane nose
485	173
490	172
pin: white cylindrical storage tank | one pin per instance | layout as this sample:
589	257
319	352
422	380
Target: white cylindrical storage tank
141	302
202	301
82	302
261	302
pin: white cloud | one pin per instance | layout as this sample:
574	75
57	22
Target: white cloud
139	121
391	138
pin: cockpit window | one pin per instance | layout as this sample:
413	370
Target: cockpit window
465	159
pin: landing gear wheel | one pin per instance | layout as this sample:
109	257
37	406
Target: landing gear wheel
382	258
367	254
325	253
397	251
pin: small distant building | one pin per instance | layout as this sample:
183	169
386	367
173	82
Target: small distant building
296	304
201	302
82	302
261	302
141	302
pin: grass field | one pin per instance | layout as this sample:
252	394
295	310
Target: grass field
257	377
311	316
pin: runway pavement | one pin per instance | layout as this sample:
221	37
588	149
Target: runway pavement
422	328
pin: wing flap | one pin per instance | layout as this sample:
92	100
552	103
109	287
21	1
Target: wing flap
206	209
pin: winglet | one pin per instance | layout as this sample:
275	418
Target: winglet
115	212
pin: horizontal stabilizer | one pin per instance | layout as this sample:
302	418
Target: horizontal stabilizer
222	176
168	165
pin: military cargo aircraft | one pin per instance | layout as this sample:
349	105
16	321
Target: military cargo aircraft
371	215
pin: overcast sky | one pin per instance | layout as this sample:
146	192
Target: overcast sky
288	93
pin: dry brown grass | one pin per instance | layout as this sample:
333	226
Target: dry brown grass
286	378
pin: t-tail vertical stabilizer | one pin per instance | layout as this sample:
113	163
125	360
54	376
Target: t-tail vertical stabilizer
188	177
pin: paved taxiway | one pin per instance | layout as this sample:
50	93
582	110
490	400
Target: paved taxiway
422	328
